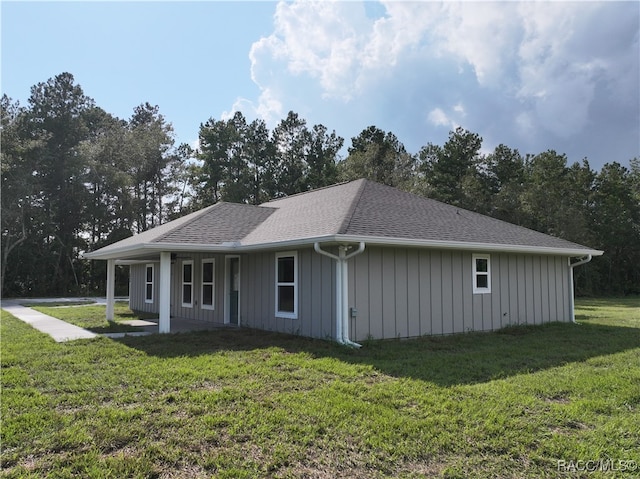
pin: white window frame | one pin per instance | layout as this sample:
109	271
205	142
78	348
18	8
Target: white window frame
287	314
211	283
185	283
476	274
147	283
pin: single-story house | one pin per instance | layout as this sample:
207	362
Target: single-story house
351	261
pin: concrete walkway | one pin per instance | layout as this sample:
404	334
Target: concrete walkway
59	330
62	331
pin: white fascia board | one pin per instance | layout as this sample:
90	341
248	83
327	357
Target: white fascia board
153	248
460	245
295	243
115	253
455	245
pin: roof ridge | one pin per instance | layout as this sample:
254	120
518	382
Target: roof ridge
202	212
352	208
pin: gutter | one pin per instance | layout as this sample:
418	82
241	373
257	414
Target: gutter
580	262
342	290
156	247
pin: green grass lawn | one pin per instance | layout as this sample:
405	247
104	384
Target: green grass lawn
243	403
93	317
621	311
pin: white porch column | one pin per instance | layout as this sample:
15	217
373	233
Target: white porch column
165	293
111	280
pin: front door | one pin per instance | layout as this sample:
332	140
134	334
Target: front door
233	288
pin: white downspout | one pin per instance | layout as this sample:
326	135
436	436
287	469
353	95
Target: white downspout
584	260
342	291
345	292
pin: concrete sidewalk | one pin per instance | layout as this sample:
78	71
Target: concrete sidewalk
59	330
62	331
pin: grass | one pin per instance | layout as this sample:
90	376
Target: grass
622	312
93	317
61	304
233	404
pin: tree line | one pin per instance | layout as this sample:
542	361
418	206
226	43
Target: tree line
76	178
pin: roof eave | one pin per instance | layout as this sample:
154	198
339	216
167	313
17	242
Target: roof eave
469	246
436	244
152	248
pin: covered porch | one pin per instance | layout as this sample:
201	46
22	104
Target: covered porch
188	291
164	319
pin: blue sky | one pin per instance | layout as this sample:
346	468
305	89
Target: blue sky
534	76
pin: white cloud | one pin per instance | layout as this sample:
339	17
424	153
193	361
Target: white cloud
318	38
405	26
439	117
482	34
533	73
451	120
558	77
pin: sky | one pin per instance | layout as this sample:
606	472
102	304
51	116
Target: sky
533	76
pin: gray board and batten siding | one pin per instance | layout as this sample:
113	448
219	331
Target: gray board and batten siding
397	292
316	292
316	295
137	285
137	288
409	292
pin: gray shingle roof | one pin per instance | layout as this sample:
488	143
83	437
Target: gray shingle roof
221	223
316	213
153	234
388	212
359	210
217	224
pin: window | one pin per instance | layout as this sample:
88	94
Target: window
287	285
481	273
148	284
208	269
187	284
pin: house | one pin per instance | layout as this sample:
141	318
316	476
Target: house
352	261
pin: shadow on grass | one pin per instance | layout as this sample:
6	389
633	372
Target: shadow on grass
113	328
450	360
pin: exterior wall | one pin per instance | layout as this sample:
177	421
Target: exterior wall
413	292
397	292
196	311
137	288
316	290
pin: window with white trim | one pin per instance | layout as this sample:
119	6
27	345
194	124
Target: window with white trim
208	282
187	284
287	285
148	283
481	273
